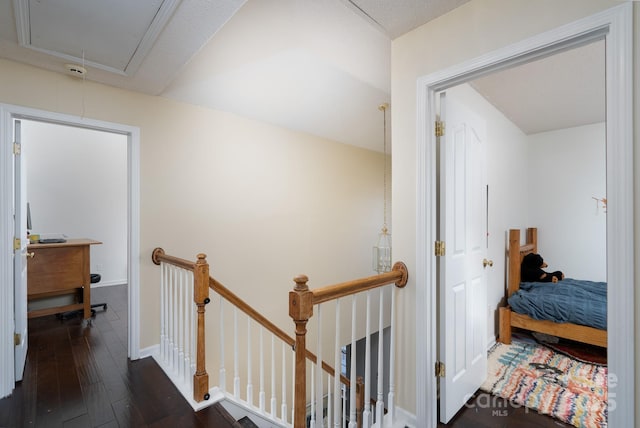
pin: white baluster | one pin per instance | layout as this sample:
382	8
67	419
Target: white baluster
167	358
178	340
180	336
329	401
171	316
184	316
163	315
293	385
188	307
312	424
283	409
343	395
236	368
274	402
249	365
223	372
176	314
392	360
366	414
261	395
337	396
380	398
353	381
193	334
318	371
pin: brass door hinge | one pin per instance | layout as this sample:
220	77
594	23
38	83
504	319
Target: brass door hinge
440	371
439	248
439	128
17	339
17	148
17	244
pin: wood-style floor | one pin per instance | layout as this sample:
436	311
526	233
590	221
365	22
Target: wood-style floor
79	376
487	411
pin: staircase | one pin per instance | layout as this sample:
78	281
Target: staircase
225	420
275	367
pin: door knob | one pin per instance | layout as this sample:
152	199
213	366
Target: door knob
486	263
31	254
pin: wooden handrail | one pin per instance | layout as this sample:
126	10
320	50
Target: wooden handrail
301	302
398	276
159	256
264	322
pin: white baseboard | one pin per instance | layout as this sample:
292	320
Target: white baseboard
149	351
492	342
405	419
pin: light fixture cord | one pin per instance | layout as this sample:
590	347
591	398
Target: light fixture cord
384	149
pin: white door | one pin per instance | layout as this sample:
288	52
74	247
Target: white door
462	279
20	254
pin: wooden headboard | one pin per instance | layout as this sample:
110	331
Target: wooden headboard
516	254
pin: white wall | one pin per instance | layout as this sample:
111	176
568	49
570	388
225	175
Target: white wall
77	185
566	170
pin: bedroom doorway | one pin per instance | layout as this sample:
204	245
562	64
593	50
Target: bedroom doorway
564	244
611	27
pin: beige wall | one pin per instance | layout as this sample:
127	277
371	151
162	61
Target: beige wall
476	28
264	203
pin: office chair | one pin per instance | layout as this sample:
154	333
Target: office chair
95	277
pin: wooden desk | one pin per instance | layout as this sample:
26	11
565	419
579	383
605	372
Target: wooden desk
58	269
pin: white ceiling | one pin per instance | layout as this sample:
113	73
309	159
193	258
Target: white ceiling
317	66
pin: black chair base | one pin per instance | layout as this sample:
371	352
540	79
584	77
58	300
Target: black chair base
95	277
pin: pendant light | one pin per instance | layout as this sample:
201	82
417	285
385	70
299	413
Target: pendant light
382	250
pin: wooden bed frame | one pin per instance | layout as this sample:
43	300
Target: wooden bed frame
510	319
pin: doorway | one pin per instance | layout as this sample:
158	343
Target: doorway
612	26
8	114
538	176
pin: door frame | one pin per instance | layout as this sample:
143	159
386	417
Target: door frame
7	114
614	25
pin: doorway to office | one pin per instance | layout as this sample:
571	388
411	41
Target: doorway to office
77	187
127	266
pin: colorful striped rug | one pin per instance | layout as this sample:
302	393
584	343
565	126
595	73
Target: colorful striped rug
531	375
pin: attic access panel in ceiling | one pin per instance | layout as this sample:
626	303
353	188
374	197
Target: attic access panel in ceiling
112	35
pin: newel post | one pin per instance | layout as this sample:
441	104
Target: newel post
200	298
300	310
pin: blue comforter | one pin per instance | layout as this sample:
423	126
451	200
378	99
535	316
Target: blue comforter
570	300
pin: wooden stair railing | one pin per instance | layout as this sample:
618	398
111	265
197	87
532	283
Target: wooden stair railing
301	303
200	270
202	282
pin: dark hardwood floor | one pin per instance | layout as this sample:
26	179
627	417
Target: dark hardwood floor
79	376
487	411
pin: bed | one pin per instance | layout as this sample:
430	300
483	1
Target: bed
508	318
